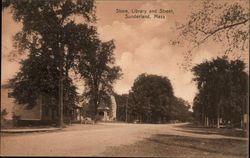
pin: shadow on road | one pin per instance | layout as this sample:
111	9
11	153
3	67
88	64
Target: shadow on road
226	147
173	144
164	145
190	128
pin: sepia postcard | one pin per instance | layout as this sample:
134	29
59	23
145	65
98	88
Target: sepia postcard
125	78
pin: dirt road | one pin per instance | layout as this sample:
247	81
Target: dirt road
89	140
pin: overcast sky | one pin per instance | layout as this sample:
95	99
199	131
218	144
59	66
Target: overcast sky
142	45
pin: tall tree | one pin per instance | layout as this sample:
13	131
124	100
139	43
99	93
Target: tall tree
222	86
50	32
97	68
150	98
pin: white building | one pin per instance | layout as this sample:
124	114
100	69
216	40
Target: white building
108	114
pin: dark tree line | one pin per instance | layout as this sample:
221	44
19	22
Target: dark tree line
121	102
151	100
223	91
180	110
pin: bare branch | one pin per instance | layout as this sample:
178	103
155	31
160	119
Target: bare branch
223	28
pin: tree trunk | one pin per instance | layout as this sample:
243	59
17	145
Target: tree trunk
60	90
95	100
218	121
95	110
244	121
80	115
60	121
126	114
203	120
206	121
218	115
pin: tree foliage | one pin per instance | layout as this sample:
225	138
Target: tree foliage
122	104
225	23
222	86
56	43
152	100
180	110
52	40
97	68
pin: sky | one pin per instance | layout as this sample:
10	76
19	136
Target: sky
142	45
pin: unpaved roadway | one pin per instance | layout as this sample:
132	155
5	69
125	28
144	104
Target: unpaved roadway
88	140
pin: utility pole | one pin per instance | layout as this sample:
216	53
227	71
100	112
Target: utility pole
60	100
127	109
60	97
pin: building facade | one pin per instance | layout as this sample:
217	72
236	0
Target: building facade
106	112
45	111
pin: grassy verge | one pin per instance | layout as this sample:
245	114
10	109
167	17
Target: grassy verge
165	145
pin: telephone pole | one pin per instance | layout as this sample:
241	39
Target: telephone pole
60	120
60	90
127	109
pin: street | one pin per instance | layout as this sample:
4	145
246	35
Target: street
120	139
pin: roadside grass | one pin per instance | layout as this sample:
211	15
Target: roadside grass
232	132
165	145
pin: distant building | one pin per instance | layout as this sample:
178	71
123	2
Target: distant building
106	113
43	112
